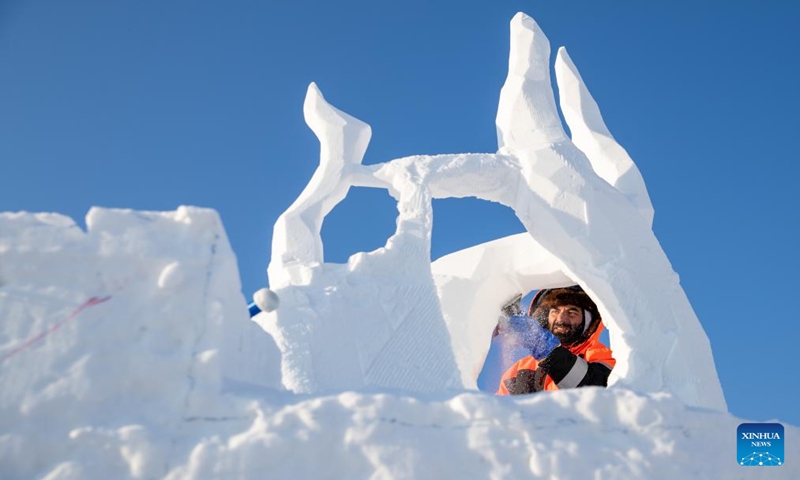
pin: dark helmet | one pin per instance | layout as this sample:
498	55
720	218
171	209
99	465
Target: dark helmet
557	297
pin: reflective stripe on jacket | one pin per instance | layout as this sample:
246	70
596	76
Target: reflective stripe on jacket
591	351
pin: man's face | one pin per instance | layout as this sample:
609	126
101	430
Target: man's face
566	322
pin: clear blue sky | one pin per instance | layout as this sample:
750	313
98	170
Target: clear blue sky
154	104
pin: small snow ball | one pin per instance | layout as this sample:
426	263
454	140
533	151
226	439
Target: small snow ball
266	300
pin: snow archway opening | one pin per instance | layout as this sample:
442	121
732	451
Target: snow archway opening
361	222
460	223
475	282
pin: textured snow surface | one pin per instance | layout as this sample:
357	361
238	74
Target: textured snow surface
592	433
115	341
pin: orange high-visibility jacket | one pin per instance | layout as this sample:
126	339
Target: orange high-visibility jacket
591	350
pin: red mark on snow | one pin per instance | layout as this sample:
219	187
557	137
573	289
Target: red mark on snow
88	303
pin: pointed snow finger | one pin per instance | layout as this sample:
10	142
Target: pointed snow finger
296	236
343	138
527	118
590	134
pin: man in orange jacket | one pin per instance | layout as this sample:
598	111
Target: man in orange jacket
562	331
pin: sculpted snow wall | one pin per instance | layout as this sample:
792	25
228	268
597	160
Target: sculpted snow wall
117	343
390	318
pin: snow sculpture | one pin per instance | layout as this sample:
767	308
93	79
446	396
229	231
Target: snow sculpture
389	318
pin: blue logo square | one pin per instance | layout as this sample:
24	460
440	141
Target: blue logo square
759	445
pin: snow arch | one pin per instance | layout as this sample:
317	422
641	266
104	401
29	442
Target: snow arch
386	317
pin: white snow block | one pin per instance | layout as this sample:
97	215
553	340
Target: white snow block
138	320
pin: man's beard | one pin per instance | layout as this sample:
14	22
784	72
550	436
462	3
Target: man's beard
569	335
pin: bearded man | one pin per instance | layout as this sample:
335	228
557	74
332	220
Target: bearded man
562	332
